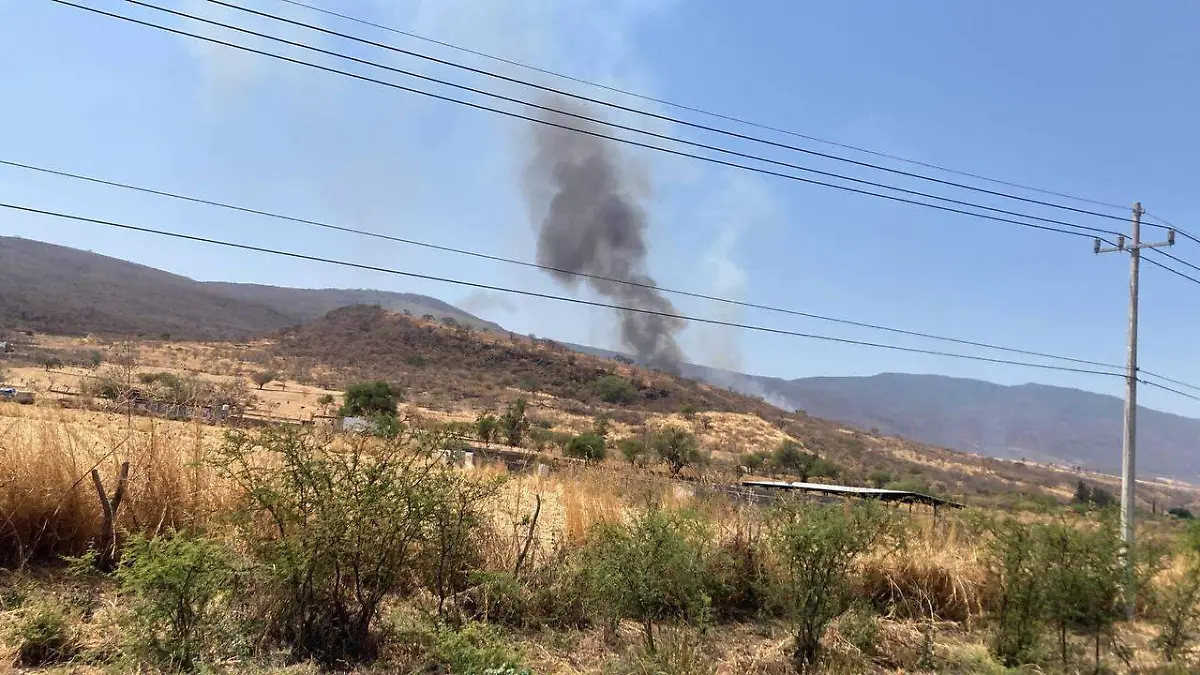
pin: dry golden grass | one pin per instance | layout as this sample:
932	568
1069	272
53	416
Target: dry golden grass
48	504
935	576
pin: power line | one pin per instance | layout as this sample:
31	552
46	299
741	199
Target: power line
548	268
1170	269
1166	224
550	296
1172	390
665	118
1164	378
708	113
1180	260
556	111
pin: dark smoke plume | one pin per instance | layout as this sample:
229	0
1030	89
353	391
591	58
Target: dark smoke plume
585	200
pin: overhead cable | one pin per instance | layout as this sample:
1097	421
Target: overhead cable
646	113
550	296
592	132
549	268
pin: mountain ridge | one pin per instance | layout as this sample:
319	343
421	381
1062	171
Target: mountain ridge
50	288
57	289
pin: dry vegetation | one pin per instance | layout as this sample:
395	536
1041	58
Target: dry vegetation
925	597
925	600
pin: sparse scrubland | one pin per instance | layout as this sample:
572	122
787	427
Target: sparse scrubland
291	547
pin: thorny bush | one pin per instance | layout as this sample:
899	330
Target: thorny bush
340	525
817	546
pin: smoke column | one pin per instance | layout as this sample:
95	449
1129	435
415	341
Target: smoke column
586	201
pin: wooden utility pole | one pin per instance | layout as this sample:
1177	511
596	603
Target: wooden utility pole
1129	436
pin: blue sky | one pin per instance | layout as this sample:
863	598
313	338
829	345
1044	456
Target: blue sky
1091	98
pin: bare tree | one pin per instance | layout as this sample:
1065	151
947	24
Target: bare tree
263	377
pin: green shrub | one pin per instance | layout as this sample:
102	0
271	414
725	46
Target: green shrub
337	529
1014	563
370	399
497	597
588	446
540	439
471	649
649	570
487	427
676	447
179	588
513	423
1178	615
910	484
633	450
789	457
817	546
860	627
416	361
1082	573
43	636
752	462
879	477
679	652
614	389
739	583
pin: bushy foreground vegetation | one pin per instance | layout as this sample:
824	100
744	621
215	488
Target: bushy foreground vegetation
289	545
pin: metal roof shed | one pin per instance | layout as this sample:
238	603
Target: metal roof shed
902	496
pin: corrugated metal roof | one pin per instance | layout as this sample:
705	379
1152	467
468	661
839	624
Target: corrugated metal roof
856	491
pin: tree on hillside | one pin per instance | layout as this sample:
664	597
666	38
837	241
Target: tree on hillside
879	477
369	399
513	423
1087	495
677	448
614	389
487	427
588	446
1083	493
790	457
632	449
263	377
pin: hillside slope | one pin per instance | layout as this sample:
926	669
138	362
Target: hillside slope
369	342
56	289
444	368
305	304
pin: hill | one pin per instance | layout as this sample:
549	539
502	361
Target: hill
304	304
61	290
454	368
1031	421
55	289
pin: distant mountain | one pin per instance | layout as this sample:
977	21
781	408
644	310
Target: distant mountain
56	289
1031	421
